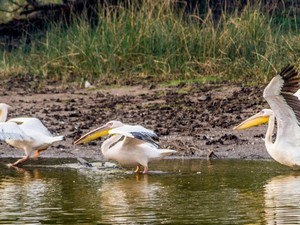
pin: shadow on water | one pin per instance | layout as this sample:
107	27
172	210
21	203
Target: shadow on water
176	191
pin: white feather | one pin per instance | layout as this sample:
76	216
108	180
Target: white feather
128	144
29	134
12	131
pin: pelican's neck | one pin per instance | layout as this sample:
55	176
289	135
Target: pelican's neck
107	144
271	123
3	114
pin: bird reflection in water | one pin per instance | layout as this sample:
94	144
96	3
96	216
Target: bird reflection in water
282	199
26	194
123	199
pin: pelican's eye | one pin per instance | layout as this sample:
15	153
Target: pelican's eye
263	112
110	124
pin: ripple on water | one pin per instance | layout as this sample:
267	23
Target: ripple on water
186	192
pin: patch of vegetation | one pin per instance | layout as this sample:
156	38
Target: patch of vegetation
196	79
155	42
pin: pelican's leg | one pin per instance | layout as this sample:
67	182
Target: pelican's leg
20	161
145	170
138	169
37	154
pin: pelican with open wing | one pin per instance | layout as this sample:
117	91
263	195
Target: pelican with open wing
28	134
128	144
281	94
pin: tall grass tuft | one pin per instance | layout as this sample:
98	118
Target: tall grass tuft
157	42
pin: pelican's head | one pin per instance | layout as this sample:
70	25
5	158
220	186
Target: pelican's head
98	132
260	118
4	106
3	111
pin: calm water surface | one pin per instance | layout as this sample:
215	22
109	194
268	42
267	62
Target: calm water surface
187	192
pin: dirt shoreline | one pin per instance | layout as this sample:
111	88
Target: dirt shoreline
192	119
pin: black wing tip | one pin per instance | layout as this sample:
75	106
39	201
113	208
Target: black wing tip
155	137
288	72
291	79
146	137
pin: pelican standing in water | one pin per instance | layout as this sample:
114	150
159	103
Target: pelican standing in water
128	145
28	134
285	108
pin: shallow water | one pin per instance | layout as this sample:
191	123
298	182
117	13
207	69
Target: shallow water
186	192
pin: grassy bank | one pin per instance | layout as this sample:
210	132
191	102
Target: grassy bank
159	43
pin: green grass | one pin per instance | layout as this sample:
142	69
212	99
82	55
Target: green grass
159	44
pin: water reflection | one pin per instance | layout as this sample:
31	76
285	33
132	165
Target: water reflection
26	194
187	192
123	199
282	199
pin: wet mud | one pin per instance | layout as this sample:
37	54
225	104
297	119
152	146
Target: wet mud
196	120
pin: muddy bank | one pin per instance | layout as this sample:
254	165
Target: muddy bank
193	119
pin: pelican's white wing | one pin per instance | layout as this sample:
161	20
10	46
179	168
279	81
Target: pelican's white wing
31	124
11	131
298	94
136	132
280	94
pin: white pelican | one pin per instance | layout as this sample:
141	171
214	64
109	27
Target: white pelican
28	134
285	107
128	145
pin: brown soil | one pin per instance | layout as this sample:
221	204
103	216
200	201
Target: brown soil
192	119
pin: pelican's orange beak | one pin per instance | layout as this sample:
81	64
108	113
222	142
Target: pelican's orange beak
255	120
93	135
